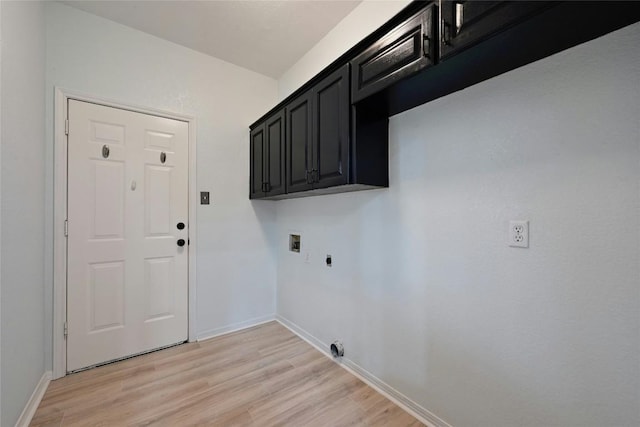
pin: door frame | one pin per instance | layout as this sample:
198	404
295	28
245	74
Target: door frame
62	96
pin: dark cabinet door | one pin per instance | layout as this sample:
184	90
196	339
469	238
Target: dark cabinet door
256	154
299	115
465	23
404	51
274	157
331	124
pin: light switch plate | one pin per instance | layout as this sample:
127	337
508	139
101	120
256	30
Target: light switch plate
204	197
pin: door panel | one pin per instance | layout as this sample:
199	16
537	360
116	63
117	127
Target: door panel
298	141
157	201
275	155
107	132
126	277
108	209
257	180
106	295
159	140
404	51
159	277
331	130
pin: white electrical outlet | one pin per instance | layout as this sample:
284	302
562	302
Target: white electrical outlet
519	234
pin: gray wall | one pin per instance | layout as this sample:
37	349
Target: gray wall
424	291
22	191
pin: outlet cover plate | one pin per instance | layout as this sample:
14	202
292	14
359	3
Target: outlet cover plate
519	234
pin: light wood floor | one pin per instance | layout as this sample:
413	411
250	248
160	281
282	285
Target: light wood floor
263	376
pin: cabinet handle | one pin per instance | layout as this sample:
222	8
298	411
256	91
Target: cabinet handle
267	187
459	17
446	33
426	46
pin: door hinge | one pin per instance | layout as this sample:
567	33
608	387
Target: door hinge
66	227
66	127
66	330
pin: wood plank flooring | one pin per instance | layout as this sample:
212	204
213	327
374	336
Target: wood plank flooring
262	376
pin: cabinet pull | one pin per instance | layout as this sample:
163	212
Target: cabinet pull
426	46
311	177
446	33
267	187
459	17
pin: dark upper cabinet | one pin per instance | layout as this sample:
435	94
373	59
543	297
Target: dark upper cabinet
317	154
332	134
331	120
465	23
405	50
267	157
299	124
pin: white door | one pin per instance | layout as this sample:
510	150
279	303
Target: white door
127	276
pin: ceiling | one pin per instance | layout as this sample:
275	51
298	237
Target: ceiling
266	36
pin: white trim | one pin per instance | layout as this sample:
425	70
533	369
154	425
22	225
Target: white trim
235	327
422	414
59	240
32	405
60	214
193	225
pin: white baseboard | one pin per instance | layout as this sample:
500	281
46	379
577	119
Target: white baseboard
423	415
32	405
212	333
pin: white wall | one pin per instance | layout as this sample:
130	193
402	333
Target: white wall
236	265
424	291
22	191
367	17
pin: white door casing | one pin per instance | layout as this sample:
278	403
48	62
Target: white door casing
127	279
